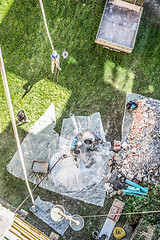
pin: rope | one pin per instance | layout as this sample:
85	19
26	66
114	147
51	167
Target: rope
4	79
119	214
45	22
118	232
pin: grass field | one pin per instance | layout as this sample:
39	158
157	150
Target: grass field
92	78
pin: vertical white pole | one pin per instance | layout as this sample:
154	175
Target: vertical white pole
4	79
45	22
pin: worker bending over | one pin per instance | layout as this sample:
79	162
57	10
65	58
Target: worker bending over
21	118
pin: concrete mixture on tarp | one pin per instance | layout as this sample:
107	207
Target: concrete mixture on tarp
44	213
140	154
83	180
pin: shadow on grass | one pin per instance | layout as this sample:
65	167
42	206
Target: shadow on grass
12	189
147	59
21	42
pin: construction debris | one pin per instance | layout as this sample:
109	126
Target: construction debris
134	189
139	157
115	181
117	146
54	236
83	140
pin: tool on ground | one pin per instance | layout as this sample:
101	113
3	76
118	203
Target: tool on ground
58	214
118	232
134	189
62	157
95	235
40	167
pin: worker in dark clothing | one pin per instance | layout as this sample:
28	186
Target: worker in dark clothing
131	106
22	118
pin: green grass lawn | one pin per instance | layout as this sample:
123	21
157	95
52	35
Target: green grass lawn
92	78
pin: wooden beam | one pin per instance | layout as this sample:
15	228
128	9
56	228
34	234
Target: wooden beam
12	208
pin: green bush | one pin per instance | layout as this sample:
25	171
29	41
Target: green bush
149	203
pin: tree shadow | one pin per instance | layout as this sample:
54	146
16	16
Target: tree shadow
147	54
21	42
12	189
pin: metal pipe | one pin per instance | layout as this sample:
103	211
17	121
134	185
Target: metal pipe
28	225
15	233
63	156
6	238
30	229
136	185
69	218
24	232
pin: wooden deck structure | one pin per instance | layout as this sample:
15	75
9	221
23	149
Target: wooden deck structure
12	227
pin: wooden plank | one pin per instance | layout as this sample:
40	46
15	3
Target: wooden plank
126	5
116	208
113	46
137	2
